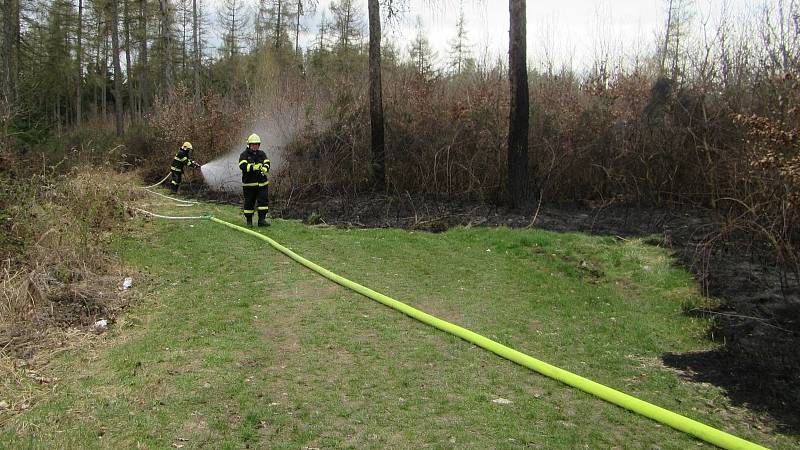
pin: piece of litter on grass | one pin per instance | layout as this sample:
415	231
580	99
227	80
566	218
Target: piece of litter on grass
127	283
502	401
100	325
3	405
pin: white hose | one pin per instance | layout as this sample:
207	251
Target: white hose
189	202
165	217
162	180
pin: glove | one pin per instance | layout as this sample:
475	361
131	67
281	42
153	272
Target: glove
257	167
264	170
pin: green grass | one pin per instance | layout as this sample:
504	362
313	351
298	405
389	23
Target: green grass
233	345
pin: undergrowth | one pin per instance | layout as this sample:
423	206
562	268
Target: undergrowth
56	225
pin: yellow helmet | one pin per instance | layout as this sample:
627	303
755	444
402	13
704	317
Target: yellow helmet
186	145
253	139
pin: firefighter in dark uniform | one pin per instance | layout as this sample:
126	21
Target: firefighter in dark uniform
255	167
183	159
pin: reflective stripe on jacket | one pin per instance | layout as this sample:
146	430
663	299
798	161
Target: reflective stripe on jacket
251	176
180	161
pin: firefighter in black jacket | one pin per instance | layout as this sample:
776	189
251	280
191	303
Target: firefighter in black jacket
183	159
255	167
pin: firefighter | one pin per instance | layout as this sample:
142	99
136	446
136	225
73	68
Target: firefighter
183	159
254	165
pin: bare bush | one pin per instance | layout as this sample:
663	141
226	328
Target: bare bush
57	228
174	119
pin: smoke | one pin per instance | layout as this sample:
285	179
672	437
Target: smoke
275	128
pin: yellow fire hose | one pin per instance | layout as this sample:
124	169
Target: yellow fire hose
674	420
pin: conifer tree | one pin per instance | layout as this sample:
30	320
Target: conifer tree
420	52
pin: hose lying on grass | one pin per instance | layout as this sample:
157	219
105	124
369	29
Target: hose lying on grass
674	420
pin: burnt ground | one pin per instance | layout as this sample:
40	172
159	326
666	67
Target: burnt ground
757	319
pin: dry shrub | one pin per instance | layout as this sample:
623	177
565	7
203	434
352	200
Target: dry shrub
57	228
211	128
620	139
330	154
444	136
7	159
768	200
332	162
627	137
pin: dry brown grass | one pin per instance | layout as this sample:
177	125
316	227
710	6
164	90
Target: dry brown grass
58	228
57	277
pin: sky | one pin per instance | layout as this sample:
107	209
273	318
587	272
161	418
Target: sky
567	28
560	32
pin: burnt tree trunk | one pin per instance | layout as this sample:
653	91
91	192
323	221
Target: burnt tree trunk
519	116
378	172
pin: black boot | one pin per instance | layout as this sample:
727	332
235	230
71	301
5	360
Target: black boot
262	219
249	218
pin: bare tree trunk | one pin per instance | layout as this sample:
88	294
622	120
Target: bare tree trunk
183	42
676	58
118	102
297	27
278	25
782	38
128	67
143	66
666	39
10	54
78	55
117	69
519	117
104	71
378	171
15	51
96	69
196	50
166	42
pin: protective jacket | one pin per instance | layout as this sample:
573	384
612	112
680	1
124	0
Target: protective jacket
182	158
254	166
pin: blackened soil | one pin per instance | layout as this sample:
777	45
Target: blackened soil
758	320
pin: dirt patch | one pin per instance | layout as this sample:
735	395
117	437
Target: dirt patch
757	319
68	307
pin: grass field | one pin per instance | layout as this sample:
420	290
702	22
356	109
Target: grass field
233	345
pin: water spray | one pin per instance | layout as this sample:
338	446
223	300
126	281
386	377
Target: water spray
276	125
